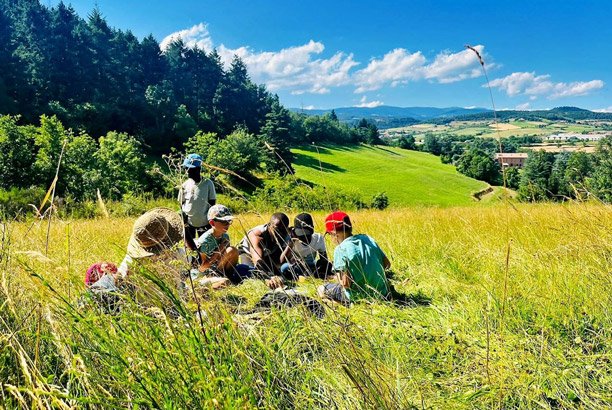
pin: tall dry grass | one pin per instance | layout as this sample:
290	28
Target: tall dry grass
556	338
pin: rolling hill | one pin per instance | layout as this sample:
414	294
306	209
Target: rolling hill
389	117
408	177
385	112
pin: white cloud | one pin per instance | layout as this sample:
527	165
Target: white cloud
196	36
310	107
577	88
371	104
609	109
298	69
400	66
450	67
525	83
522	106
397	66
294	68
518	83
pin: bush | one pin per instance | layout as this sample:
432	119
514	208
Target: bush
239	152
380	201
513	178
288	194
17	153
68	208
407	142
121	158
16	202
478	164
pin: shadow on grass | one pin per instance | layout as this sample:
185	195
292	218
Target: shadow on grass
388	151
411	299
234	300
312	162
316	148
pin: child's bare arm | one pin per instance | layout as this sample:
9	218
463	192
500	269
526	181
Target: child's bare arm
285	255
386	263
255	248
344	279
207	261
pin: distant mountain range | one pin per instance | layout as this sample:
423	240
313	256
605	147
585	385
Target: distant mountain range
387	111
386	116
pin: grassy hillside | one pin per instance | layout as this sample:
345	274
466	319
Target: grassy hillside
541	339
408	177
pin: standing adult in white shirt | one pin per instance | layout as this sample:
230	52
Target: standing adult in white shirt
196	196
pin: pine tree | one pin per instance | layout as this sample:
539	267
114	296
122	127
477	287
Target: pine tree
276	133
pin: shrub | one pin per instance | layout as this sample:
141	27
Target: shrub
17	153
121	157
407	142
68	208
286	193
240	152
478	164
16	201
380	201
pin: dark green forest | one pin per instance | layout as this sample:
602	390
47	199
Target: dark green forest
119	103
97	79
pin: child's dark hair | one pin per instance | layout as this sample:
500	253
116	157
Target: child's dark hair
281	217
345	228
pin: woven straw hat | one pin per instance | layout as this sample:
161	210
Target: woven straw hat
155	231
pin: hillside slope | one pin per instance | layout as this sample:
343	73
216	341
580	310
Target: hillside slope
408	177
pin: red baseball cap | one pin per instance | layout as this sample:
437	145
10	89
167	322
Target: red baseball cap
336	221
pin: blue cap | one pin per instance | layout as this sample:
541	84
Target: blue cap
193	161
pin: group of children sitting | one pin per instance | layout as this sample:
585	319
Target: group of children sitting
275	252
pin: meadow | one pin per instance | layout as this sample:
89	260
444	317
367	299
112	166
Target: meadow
407	177
484	129
511	309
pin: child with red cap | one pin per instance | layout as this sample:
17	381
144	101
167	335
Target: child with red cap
358	261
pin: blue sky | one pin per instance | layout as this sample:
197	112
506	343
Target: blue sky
324	54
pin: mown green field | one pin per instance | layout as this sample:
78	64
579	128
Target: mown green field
483	130
535	333
408	177
520	132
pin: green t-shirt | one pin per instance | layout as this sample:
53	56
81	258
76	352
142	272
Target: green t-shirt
361	256
207	243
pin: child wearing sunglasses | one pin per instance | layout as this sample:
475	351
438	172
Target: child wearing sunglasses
218	257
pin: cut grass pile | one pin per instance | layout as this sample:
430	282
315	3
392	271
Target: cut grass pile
408	177
549	349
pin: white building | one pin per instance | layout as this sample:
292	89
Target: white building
563	137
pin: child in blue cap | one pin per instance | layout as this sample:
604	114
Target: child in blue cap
196	196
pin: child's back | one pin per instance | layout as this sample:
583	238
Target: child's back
362	258
358	261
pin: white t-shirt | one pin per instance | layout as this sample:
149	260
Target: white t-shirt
125	266
106	282
308	253
194	200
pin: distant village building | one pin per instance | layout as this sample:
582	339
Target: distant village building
568	136
512	159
